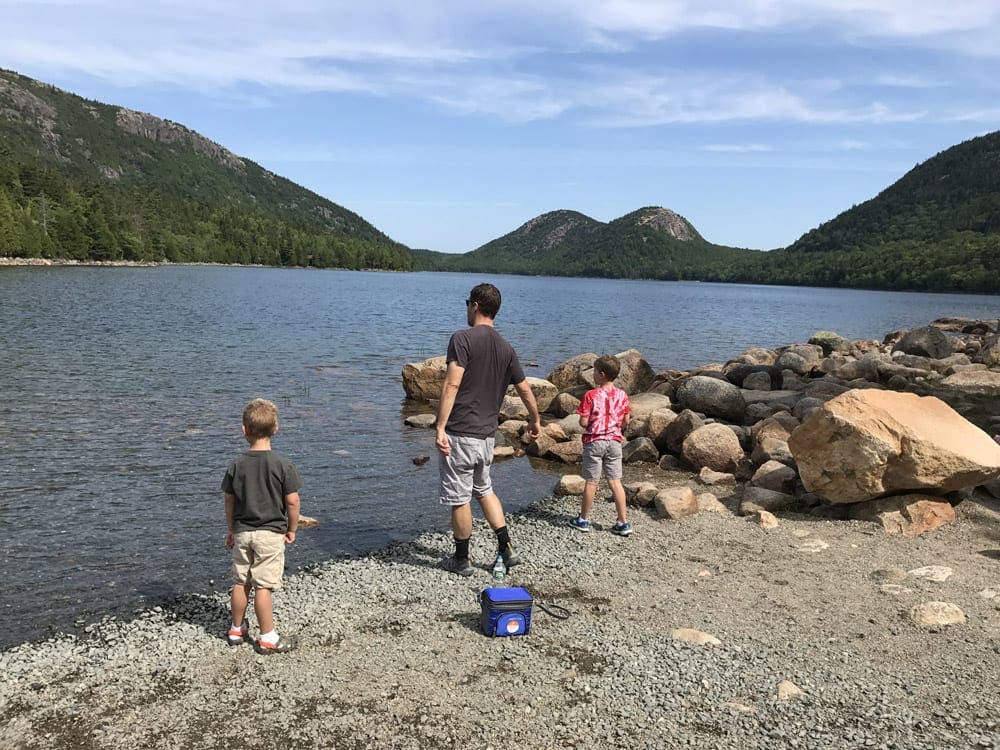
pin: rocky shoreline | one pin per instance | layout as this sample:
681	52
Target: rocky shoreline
4	261
711	630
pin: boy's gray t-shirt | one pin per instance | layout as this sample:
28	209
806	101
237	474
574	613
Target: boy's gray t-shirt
260	480
490	365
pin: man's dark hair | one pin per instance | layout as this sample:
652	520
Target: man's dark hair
488	297
608	365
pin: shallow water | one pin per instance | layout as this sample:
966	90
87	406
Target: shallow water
123	387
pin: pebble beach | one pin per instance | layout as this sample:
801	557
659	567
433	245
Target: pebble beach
708	632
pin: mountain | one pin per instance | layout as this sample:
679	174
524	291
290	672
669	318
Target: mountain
82	179
651	243
936	229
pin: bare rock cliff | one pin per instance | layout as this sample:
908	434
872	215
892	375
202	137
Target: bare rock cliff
164	131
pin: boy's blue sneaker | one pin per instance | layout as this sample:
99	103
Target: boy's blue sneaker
580	524
622	529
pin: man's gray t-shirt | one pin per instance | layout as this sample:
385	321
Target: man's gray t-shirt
490	365
261	480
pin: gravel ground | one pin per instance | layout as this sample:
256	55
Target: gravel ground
391	655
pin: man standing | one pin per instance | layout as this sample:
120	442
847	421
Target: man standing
481	364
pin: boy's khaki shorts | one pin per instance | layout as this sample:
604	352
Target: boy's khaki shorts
259	557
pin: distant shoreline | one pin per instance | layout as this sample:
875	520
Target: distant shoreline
69	262
118	263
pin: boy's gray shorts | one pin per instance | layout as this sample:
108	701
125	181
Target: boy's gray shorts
606	453
465	473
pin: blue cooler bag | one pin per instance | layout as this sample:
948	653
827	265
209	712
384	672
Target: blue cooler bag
506	611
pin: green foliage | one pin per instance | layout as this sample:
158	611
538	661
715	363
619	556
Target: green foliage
75	183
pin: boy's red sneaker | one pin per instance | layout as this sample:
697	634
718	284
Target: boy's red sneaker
283	646
236	636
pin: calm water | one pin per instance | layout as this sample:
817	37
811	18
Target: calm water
122	391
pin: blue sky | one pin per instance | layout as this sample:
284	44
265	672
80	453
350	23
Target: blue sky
448	123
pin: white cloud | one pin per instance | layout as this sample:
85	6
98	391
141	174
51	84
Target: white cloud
511	60
876	18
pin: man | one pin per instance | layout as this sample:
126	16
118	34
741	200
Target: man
481	364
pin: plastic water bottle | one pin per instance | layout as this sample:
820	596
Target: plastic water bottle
499	571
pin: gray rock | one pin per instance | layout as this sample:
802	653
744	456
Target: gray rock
925	342
711	396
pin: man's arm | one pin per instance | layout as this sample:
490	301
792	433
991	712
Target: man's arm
452	380
528	397
230	518
292	505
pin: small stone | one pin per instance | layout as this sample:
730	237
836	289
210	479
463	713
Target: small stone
764	519
690	635
936	573
787	690
937	614
813	545
421	459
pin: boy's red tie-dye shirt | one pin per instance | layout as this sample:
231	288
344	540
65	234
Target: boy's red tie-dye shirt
604	409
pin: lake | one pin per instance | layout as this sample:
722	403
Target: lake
123	389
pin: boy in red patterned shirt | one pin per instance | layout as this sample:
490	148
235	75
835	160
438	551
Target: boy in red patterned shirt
604	412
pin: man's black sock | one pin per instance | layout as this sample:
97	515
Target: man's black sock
461	548
503	538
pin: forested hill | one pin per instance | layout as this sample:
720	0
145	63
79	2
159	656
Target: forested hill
936	229
85	180
651	243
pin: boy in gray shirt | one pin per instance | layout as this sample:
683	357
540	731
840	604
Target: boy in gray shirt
262	514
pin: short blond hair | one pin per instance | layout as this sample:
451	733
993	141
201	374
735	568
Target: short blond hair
260	419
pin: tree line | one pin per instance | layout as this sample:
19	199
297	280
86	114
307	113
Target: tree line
44	214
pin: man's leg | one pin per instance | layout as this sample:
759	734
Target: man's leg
461	529
492	510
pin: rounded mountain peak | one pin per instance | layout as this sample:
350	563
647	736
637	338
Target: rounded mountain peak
663	220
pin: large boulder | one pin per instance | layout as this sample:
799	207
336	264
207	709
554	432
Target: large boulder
867	443
713	445
975	381
644	404
569	452
830	342
800	358
711	396
677	430
543	391
636	375
676	502
989	352
564	404
423	380
640	450
925	342
571	373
